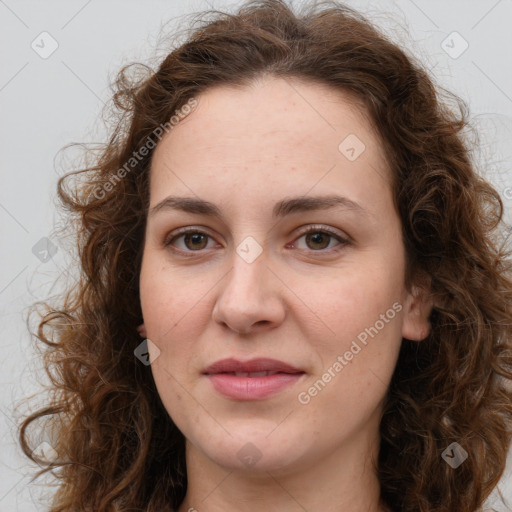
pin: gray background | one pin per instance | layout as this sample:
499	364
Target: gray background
46	103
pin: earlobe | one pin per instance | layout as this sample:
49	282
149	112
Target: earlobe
417	309
141	329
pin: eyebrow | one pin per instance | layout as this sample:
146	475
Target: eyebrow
281	208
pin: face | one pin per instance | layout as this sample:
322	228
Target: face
279	315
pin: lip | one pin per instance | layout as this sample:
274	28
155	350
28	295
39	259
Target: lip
222	375
260	364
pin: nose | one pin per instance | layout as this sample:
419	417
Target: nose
250	297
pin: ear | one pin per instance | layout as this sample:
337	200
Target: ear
141	329
417	308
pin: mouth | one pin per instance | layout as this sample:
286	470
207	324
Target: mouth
256	379
251	374
255	366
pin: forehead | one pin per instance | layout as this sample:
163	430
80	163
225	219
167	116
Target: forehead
266	132
272	105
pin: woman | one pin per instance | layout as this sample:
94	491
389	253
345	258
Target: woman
288	217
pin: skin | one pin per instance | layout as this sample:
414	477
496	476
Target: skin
302	300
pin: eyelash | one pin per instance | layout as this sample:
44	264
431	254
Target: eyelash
311	229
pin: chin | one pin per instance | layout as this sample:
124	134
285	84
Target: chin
253	451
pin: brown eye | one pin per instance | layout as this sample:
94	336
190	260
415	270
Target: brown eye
195	241
318	240
189	240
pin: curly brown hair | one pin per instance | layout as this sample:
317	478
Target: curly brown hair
118	449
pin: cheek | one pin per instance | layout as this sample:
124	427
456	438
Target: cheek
176	311
361	314
353	300
169	300
357	361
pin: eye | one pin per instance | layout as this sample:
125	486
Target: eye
194	240
319	238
